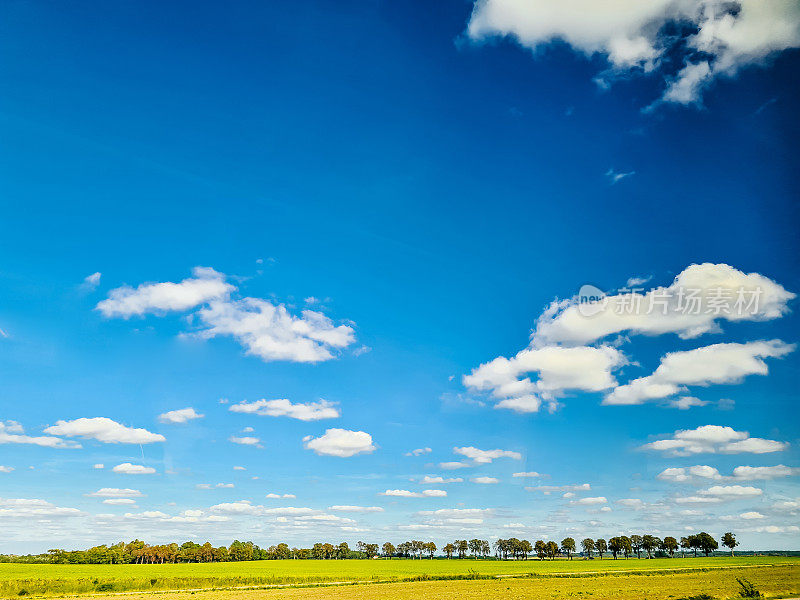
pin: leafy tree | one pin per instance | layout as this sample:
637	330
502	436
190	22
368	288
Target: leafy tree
650	544
462	546
449	549
568	547
706	543
525	548
615	546
552	550
669	545
389	549
636	544
541	549
685	545
601	546
627	548
729	541
588	546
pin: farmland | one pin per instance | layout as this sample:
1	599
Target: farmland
399	578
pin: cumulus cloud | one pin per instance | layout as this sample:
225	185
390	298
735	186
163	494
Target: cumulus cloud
311	411
698	473
549	489
532	474
205	285
589	501
485	480
340	442
410	494
12	432
273	496
453	465
131	469
711	439
483	457
687	402
419	452
429	479
355	509
34	508
245	440
753	473
116	493
181	415
557	369
670	309
103	430
633	36
715	364
119	501
6	469
731	491
264	329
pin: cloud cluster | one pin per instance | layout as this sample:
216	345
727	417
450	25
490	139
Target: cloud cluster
12	432
131	469
570	349
699	473
715	364
410	494
723	36
310	411
264	329
712	439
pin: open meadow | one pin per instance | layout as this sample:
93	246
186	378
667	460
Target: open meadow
777	577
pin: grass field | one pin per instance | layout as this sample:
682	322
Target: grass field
657	578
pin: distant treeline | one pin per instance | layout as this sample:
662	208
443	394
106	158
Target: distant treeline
139	552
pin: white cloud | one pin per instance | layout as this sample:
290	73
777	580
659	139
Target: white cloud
245	440
617	176
5	469
272	333
205	285
355	509
419	452
116	493
776	529
485	480
548	489
340	442
273	496
453	465
632	503
589	501
684	475
98	466
731	491
664	309
751	515
698	500
265	330
710	439
485	456
687	402
90	282
632	35
119	501
715	364
104	430
130	469
238	468
33	508
409	494
312	411
181	415
528	474
751	473
557	368
428	479
12	432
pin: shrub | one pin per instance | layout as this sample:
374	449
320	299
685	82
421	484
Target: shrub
748	589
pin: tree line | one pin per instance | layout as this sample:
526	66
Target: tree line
139	552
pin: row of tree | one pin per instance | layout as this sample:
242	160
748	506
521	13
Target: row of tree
139	552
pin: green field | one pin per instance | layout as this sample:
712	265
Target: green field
35	580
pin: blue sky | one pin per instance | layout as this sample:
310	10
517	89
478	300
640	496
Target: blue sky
426	181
